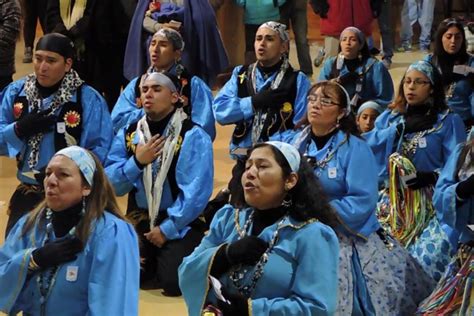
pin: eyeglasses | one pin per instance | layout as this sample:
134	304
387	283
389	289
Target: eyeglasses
417	82
326	102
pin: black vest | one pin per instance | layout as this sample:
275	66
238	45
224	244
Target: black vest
70	114
278	120
171	176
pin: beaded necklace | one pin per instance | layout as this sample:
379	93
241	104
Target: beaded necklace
236	274
47	278
330	153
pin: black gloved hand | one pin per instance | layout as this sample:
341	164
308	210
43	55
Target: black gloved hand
247	250
417	123
423	179
34	123
269	99
238	304
465	188
57	252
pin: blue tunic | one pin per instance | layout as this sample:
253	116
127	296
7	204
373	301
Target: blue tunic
230	109
461	97
377	85
431	154
194	177
300	277
456	215
107	273
96	134
126	112
349	179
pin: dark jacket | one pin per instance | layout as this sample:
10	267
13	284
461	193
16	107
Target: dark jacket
9	29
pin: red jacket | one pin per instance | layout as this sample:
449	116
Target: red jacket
344	13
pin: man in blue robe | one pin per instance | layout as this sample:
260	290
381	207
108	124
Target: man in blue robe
165	52
165	163
45	112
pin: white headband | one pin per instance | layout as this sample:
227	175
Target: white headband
159	79
290	153
82	159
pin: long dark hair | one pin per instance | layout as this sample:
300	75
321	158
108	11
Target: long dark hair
438	95
440	57
308	198
462	156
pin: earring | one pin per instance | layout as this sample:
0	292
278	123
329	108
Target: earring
83	211
337	122
287	201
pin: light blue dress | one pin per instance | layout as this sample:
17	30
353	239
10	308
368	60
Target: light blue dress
96	134
107	273
300	277
230	109
456	215
428	154
377	85
126	112
431	154
375	277
194	176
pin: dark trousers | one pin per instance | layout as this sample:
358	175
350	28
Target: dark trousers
32	11
25	198
160	269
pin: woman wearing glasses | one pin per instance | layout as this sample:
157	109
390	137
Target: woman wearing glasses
376	274
424	132
452	60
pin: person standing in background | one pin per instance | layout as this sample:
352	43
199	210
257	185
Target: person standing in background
9	30
32	11
295	12
416	11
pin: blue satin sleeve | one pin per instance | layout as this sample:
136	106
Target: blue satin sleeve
194	176
125	111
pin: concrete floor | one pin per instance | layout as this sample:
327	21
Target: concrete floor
152	302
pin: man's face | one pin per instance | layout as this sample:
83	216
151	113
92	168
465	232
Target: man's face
50	67
268	46
162	53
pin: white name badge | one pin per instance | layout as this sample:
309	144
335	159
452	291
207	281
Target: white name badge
462	69
71	273
61	127
332	173
422	142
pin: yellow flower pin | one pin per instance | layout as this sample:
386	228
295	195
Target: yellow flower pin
287	107
129	139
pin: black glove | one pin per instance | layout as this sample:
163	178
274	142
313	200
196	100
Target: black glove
57	252
423	179
247	250
269	99
320	7
417	123
238	304
465	188
34	123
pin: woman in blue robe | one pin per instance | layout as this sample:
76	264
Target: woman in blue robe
165	163
74	254
454	194
377	276
165	52
364	77
424	131
276	256
451	58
